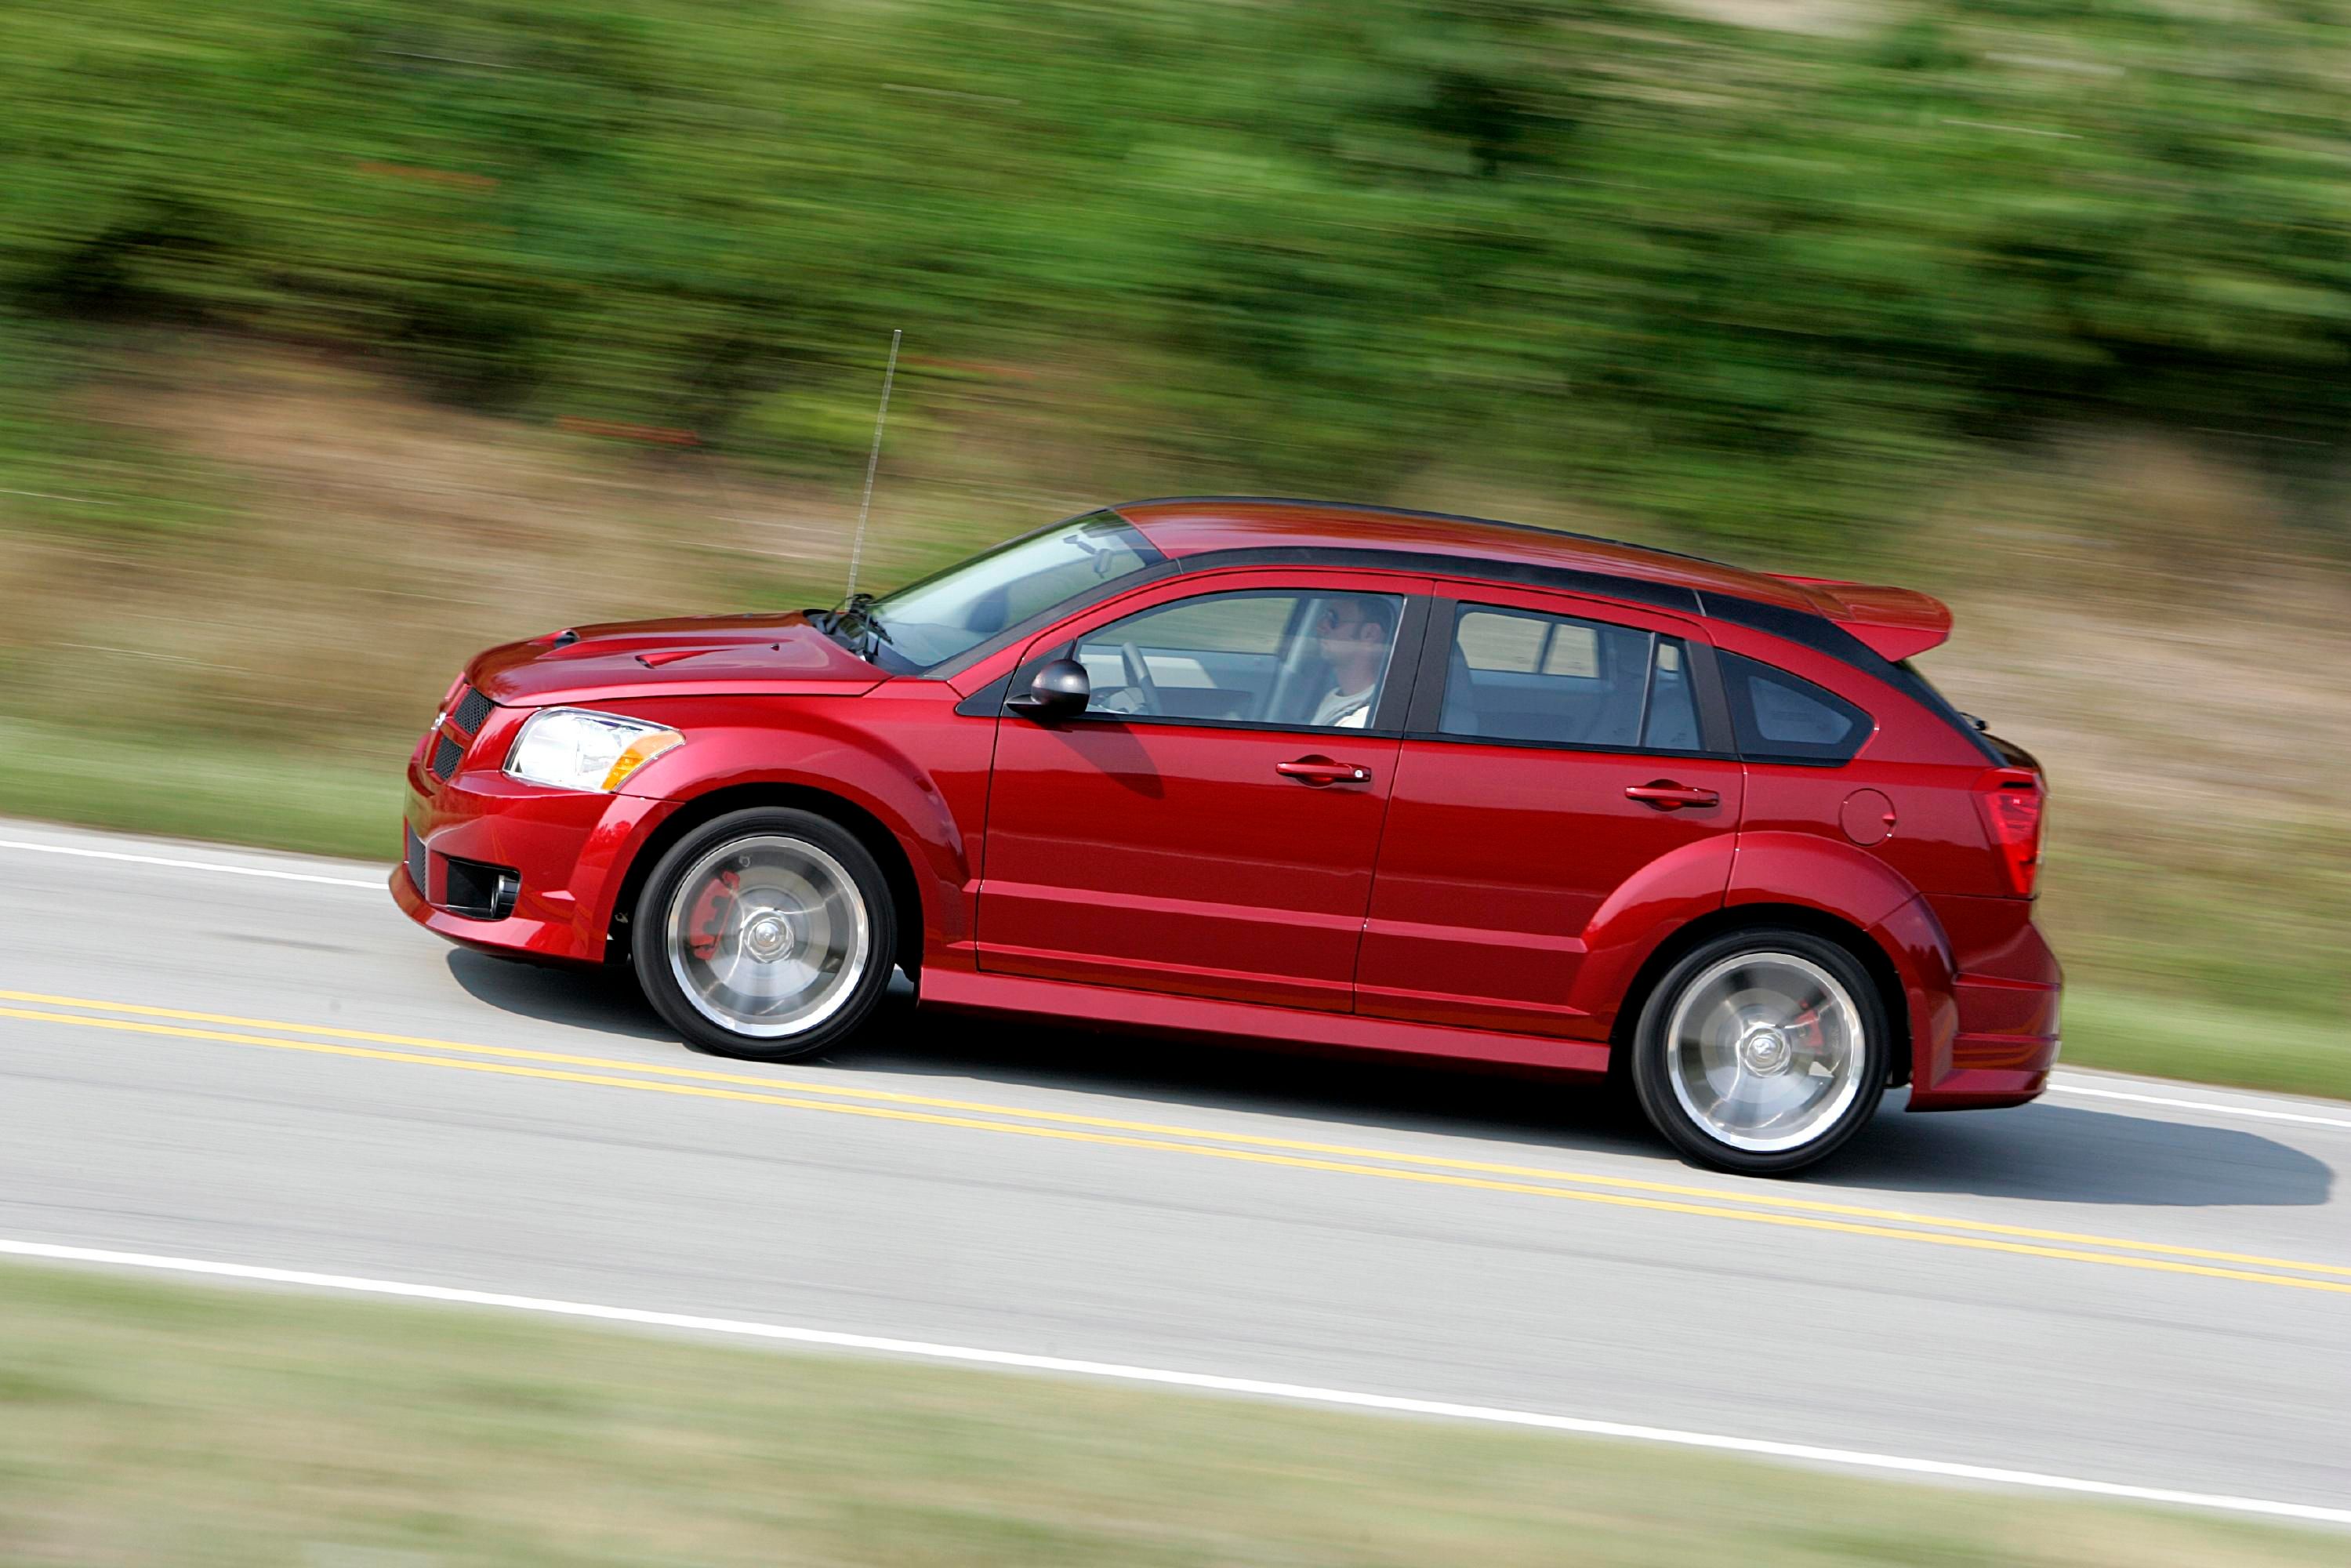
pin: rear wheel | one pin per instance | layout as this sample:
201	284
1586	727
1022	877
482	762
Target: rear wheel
765	933
1762	1052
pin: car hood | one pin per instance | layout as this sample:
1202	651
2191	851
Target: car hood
694	655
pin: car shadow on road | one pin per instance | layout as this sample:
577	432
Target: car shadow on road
605	1000
2045	1151
2067	1154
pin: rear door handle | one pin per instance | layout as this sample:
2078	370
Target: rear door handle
1321	770
1668	795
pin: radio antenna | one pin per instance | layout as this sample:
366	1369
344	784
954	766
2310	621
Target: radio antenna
872	461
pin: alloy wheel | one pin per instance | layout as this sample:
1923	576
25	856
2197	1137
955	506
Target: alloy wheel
768	935
1765	1051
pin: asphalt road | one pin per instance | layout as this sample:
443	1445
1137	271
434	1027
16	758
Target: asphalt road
2030	1289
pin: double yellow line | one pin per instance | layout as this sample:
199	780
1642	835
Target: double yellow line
1753	1206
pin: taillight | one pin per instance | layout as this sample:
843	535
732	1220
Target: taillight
2010	800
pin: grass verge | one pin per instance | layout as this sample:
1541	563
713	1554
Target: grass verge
195	787
2167	1036
147	1423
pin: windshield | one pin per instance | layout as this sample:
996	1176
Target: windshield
952	613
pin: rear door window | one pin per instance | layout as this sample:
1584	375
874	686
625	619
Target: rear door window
1781	717
1524	675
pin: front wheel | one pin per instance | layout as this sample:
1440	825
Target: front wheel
1762	1052
765	933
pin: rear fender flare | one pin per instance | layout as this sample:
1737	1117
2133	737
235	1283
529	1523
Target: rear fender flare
1860	889
1915	940
1663	896
1815	873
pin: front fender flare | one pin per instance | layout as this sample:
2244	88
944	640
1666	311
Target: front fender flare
826	756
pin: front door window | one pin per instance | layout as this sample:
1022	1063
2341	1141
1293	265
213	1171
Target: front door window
1270	659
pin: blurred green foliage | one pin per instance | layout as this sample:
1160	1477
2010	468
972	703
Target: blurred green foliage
1761	285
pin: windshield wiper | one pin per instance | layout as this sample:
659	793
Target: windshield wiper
853	624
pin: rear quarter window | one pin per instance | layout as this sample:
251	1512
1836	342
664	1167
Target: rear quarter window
1781	717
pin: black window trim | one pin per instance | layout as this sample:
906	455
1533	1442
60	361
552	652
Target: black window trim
1387	720
1427	716
1804	628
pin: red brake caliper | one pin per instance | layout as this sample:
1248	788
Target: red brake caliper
713	912
1806	1026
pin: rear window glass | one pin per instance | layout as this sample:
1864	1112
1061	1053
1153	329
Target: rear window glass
1517	675
1781	717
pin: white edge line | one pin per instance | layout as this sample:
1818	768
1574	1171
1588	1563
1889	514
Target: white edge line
193	865
2216	1107
1295	1392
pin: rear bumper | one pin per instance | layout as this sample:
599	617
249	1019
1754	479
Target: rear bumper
570	850
1996	1042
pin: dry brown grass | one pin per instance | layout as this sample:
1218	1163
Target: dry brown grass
377	539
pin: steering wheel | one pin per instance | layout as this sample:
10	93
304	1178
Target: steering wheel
1138	675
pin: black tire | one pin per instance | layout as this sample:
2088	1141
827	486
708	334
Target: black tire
1704	973
767	833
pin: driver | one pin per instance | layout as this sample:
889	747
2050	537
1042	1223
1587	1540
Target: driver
1354	630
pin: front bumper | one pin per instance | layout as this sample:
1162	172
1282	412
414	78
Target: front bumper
569	849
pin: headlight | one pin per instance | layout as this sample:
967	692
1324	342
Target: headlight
573	749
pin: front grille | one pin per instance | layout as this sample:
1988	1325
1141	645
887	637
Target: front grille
471	710
446	755
417	864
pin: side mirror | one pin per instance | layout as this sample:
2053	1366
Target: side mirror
1060	688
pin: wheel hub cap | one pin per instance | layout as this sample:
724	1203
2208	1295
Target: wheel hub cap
768	935
1765	1052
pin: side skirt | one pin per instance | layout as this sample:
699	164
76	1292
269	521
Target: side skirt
1160	1012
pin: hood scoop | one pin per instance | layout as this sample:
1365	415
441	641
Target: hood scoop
686	655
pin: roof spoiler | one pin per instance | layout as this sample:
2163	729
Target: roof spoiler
1896	622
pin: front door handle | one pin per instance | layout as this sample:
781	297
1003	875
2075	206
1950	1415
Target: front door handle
1668	795
1321	770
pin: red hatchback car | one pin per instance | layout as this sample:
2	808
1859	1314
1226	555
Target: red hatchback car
1337	776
